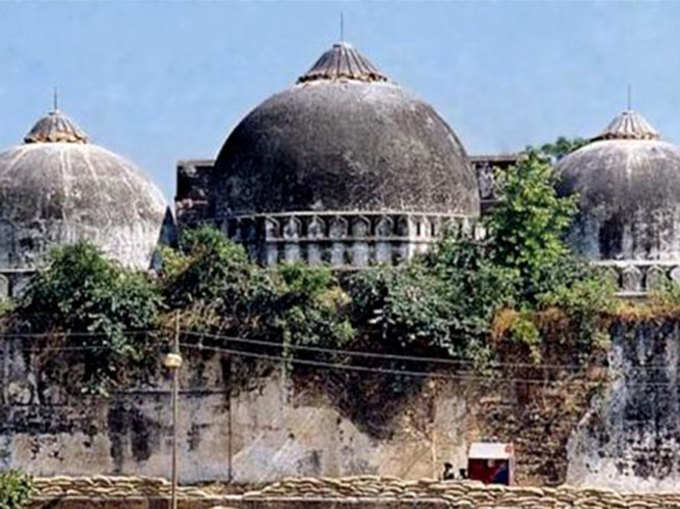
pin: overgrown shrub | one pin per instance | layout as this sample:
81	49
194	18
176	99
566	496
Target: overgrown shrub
585	303
214	285
96	310
448	302
666	296
480	287
310	307
16	489
406	308
219	290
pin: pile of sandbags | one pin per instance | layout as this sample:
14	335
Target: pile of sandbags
459	493
101	486
368	488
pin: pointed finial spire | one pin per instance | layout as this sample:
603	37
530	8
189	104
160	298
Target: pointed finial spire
628	125
342	27
55	127
342	61
628	96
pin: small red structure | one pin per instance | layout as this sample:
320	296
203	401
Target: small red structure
491	462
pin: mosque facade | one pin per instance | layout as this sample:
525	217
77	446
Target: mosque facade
344	168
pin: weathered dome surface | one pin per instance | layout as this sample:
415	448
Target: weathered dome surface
343	138
57	189
628	183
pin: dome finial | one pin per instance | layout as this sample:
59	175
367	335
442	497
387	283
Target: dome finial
628	125
628	97
56	128
56	100
342	61
342	28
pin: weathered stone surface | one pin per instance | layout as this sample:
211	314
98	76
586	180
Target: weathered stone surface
343	61
193	189
343	239
194	177
270	430
252	435
630	438
251	430
485	167
636	278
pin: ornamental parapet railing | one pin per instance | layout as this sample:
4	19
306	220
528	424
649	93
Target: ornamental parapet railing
344	239
636	278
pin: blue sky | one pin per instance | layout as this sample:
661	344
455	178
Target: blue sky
157	82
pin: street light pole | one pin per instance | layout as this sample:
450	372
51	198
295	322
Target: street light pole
173	361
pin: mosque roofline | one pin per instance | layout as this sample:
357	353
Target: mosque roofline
512	156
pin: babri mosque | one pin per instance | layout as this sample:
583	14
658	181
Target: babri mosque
345	167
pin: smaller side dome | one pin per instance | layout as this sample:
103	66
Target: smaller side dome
57	188
628	185
56	128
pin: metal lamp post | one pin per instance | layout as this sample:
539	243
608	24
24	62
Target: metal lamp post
173	361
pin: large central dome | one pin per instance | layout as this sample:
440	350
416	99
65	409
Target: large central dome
344	137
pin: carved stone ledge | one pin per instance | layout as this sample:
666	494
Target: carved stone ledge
344	239
636	278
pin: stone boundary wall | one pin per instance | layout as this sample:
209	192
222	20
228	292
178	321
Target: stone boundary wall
359	491
621	432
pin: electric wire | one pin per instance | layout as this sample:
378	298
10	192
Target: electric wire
334	351
402	372
374	355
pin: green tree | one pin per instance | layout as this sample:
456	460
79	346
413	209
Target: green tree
311	308
526	228
405	308
561	147
441	305
525	232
